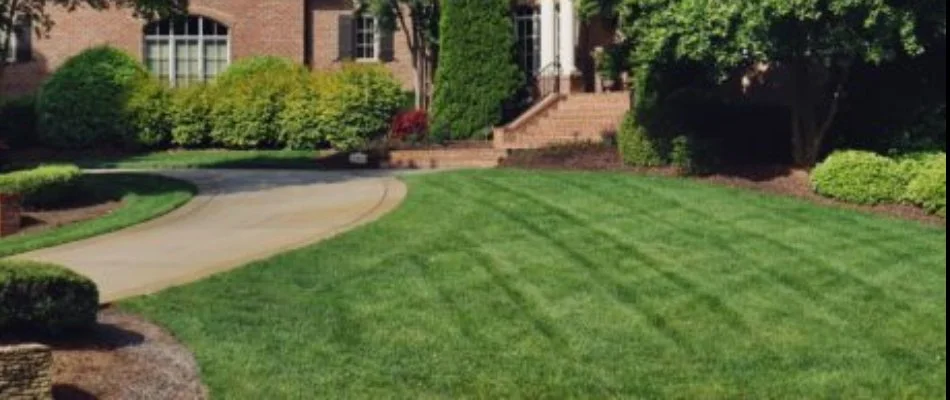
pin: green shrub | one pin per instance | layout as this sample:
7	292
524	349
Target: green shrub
189	112
860	177
928	188
369	99
85	103
39	300
248	100
18	121
345	108
682	153
304	121
636	148
477	74
31	181
254	66
149	111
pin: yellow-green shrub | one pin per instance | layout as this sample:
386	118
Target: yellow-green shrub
636	147
343	108
149	115
928	188
248	99
30	181
860	177
189	113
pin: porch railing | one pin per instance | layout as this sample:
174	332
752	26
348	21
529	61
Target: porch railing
549	80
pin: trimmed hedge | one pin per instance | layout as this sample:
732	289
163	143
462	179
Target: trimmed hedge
32	181
85	103
249	96
928	188
860	177
867	178
477	72
39	300
636	148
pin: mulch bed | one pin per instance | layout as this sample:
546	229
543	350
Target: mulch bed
40	220
780	180
125	357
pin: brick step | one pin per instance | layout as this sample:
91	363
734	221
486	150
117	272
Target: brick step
445	158
596	115
555	125
597	102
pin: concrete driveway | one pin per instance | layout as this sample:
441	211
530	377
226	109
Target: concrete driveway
238	217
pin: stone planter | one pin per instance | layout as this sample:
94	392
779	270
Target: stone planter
26	372
11	210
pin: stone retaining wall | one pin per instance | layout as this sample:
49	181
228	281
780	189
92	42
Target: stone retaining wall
26	372
446	158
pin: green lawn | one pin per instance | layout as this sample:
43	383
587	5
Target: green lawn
143	197
510	284
182	159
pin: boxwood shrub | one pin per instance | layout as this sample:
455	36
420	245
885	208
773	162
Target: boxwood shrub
860	177
85	103
928	188
31	181
38	300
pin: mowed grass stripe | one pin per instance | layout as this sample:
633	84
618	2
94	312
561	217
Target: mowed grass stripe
501	284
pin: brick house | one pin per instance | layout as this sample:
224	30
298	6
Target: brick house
553	47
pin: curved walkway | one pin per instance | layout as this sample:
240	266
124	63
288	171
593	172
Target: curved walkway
238	217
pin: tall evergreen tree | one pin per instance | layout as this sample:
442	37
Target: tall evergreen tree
477	72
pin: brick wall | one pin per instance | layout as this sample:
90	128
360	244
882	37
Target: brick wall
10	214
325	44
258	27
26	372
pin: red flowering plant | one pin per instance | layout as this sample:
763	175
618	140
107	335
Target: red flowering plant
410	127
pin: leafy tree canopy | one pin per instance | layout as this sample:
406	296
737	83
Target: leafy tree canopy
817	40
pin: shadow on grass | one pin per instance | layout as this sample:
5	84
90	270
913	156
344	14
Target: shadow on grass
195	159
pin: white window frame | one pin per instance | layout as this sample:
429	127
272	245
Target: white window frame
358	23
172	40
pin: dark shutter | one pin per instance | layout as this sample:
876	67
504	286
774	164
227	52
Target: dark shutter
23	35
346	37
386	45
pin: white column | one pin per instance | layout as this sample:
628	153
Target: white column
548	33
568	47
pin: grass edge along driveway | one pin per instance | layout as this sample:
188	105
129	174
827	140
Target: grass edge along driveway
144	197
513	284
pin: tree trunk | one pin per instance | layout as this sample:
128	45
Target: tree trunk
809	131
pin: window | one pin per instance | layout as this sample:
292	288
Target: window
187	49
21	49
367	45
528	34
